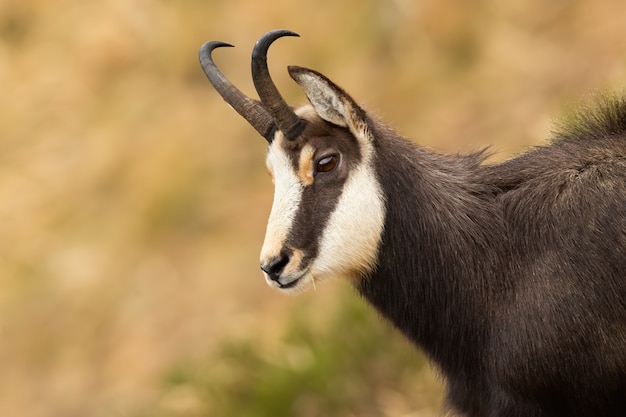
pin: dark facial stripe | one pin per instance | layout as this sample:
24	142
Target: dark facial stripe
311	218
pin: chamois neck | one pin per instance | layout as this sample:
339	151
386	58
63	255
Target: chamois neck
438	258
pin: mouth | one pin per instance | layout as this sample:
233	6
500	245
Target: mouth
288	283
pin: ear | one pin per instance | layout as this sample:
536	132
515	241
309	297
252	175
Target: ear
330	101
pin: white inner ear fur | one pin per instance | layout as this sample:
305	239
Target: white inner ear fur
324	98
334	105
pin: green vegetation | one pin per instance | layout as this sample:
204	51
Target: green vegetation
344	366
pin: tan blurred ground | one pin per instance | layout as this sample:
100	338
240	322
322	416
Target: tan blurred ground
133	200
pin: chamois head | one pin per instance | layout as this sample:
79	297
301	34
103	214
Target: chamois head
328	211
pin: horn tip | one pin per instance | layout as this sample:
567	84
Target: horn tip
277	33
267	39
211	45
208	47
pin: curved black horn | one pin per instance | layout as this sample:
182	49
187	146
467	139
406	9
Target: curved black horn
285	118
250	109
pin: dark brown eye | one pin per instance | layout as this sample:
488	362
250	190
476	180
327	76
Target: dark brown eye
327	164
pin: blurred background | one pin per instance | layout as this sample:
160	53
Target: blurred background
133	201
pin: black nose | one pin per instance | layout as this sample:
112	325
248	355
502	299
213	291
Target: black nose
275	266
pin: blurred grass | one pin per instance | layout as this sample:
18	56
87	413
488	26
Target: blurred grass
133	200
347	365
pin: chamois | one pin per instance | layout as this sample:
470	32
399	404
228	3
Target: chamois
511	277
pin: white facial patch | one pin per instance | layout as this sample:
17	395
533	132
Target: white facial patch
349	243
287	196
